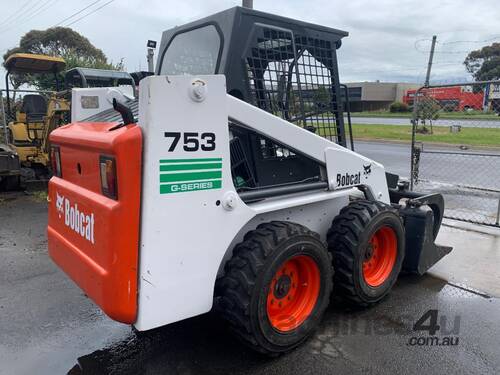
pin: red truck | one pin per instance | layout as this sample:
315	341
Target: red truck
456	98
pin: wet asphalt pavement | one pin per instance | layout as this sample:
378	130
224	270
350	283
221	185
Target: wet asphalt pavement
48	326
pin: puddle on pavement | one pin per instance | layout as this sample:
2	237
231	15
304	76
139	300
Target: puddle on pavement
191	346
203	344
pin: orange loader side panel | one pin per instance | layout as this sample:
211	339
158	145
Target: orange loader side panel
92	237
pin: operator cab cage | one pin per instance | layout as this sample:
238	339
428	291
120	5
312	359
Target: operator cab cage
34	106
284	66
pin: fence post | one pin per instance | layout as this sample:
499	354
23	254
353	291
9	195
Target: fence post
4	120
498	213
413	130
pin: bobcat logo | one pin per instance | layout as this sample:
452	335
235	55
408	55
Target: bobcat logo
60	204
367	170
75	217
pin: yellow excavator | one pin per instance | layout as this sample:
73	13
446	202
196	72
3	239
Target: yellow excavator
37	115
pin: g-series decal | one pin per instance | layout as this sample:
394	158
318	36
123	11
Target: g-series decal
349	179
76	219
185	175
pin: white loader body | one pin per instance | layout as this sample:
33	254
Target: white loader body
191	215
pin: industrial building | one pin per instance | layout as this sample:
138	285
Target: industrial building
376	96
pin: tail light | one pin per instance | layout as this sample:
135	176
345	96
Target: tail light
55	159
107	166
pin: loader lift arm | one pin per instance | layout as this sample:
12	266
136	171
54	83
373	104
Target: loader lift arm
333	159
422	214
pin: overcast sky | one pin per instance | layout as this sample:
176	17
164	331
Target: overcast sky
388	40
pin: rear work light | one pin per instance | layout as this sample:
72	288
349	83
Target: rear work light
107	166
55	160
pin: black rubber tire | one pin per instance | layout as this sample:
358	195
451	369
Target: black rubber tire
242	291
348	240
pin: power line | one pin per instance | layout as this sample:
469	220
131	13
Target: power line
12	17
41	9
88	14
76	13
79	19
417	42
472	41
32	13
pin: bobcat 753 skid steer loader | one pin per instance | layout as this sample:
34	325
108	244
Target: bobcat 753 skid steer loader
203	193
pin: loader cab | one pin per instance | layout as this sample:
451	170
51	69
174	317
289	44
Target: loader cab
31	120
34	105
283	66
89	77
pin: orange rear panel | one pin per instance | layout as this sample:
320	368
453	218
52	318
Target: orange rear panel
93	238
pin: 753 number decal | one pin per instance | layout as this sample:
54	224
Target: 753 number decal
192	141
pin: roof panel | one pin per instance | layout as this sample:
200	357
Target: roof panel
34	63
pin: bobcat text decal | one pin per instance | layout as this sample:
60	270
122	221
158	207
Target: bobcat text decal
79	221
348	179
352	179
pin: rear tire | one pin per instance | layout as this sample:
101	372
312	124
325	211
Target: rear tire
276	286
368	246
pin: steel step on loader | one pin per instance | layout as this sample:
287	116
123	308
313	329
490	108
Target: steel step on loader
229	184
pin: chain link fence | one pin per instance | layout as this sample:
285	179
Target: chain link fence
468	176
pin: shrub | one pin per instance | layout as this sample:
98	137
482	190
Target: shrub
399	107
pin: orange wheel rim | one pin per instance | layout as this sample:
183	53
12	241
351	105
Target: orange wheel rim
293	293
380	256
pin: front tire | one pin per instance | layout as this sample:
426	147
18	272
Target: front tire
276	286
368	245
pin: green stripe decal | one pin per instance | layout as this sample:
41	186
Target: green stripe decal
188	160
185	175
187	167
193	176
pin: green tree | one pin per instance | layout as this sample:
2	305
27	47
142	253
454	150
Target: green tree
321	99
398	107
62	42
484	64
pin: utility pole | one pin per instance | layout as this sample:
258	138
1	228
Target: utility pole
431	56
247	4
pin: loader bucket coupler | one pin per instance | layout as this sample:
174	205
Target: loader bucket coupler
422	216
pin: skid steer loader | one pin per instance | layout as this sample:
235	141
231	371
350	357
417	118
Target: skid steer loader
203	192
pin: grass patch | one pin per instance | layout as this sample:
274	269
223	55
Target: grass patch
39	196
472	115
468	136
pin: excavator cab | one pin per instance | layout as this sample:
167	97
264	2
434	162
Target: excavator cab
39	113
